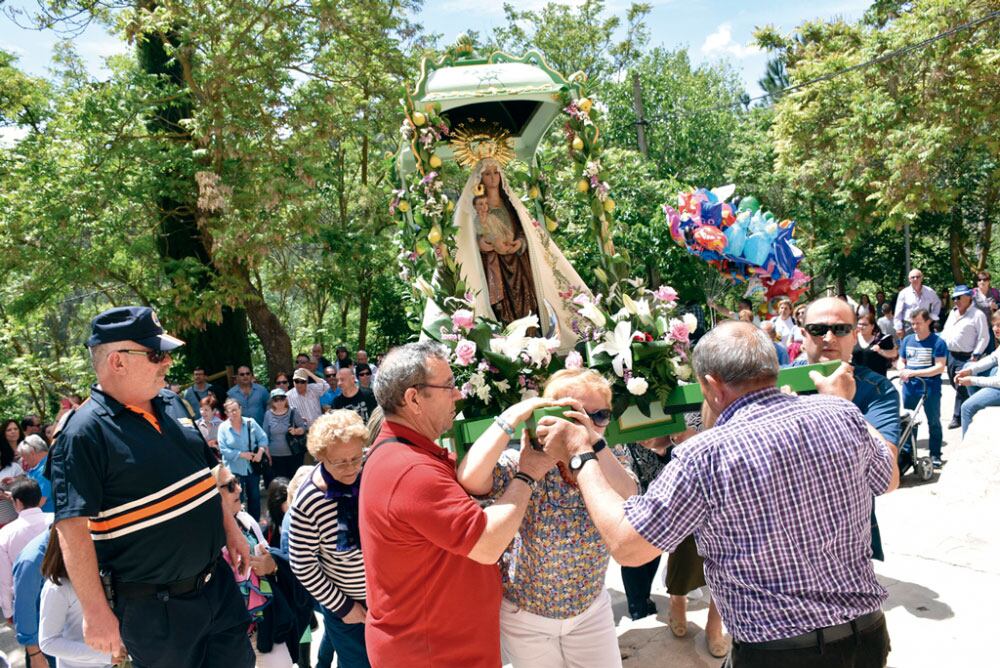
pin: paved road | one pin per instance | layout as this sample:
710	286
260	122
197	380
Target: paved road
942	566
942	569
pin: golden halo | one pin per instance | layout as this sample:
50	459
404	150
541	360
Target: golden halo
474	140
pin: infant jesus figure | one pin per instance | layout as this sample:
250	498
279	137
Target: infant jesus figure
496	238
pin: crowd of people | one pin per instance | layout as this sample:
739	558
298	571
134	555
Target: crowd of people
919	335
329	496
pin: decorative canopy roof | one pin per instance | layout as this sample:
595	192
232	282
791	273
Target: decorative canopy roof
519	94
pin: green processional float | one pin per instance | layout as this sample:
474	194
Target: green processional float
485	266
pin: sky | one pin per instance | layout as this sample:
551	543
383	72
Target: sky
710	29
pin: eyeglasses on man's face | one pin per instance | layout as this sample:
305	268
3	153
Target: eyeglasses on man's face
839	329
368	373
154	356
243	373
450	386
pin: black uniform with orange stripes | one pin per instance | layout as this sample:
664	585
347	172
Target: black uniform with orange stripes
144	481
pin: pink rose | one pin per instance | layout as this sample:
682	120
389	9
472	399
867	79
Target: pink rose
465	352
462	319
665	293
574	360
679	331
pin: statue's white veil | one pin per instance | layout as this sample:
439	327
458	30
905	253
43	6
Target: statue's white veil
555	280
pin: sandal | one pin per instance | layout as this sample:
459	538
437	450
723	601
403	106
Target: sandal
718	647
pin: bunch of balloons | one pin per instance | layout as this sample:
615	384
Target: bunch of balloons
740	239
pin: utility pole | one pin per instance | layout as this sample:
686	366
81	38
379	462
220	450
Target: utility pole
906	246
640	121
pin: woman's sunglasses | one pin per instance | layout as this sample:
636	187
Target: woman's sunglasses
601	418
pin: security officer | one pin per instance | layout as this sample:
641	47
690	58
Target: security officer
138	513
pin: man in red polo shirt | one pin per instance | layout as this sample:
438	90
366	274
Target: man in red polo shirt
430	551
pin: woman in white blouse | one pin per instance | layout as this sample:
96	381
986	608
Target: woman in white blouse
60	623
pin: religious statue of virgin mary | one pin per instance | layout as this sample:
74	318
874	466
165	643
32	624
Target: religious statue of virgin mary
508	260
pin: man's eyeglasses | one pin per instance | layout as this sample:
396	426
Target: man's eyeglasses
840	329
243	373
450	386
364	373
154	356
230	486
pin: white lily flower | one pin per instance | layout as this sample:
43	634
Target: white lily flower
642	310
538	350
629	304
502	385
622	314
593	314
618	344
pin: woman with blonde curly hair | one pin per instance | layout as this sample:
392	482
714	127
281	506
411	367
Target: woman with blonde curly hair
555	610
324	542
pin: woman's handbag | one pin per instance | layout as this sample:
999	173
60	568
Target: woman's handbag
297	444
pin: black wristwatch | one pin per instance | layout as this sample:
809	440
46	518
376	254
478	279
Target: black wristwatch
600	445
576	462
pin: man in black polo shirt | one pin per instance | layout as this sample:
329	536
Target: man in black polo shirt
138	513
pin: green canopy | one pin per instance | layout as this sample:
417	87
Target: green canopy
520	94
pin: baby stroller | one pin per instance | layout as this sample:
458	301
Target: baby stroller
908	456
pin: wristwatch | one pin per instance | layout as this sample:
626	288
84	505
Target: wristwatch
600	445
576	462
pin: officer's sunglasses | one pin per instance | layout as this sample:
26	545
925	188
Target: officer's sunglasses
231	486
154	356
840	329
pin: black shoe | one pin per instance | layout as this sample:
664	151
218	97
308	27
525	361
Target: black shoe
636	614
650	607
936	462
954	424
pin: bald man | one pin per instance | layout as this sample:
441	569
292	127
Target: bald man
831	333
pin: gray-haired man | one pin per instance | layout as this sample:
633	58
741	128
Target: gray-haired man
778	495
430	551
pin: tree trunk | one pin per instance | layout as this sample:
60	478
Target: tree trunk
214	346
273	337
364	302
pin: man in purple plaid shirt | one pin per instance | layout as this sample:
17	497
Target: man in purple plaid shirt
778	495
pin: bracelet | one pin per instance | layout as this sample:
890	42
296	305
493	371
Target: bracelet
31	654
503	424
526	479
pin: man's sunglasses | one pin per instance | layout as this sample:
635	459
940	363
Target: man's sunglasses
330	375
840	329
154	356
365	373
231	486
601	418
299	382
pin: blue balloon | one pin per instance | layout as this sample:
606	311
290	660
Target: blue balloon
736	234
757	249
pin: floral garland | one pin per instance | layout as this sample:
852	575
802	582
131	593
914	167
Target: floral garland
425	235
643	347
495	368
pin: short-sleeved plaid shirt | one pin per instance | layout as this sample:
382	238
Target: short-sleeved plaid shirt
779	496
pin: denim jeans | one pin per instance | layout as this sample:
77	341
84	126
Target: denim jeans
932	409
347	639
251	493
980	398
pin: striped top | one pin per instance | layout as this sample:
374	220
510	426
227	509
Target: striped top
335	579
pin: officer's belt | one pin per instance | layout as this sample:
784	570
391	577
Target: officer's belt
166	591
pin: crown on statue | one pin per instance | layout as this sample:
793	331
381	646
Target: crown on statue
475	139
